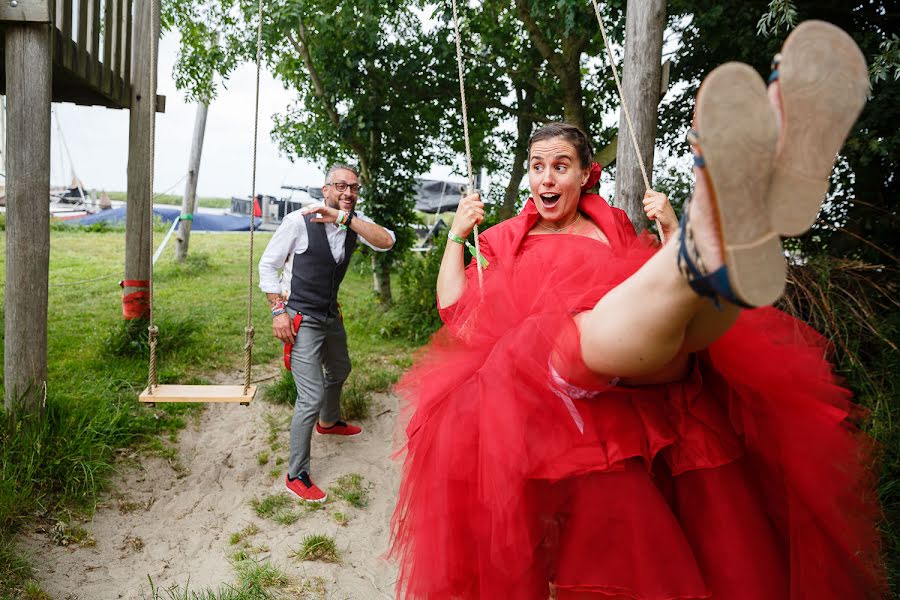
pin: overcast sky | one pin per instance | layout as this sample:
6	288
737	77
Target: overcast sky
97	139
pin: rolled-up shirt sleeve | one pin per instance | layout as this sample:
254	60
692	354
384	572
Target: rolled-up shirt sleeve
366	242
277	252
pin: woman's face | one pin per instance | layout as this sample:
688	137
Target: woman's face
555	176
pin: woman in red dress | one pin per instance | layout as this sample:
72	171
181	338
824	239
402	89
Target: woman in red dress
607	419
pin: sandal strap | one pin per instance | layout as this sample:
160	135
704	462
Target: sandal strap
776	62
713	285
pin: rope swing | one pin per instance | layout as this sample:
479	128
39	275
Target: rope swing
204	393
470	189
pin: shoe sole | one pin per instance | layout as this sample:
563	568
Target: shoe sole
824	83
738	134
338	434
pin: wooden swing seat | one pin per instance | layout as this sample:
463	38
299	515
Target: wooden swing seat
198	393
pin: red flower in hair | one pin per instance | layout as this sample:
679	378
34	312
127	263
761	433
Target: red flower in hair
593	178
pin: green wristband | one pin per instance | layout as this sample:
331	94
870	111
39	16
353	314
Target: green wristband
455	238
481	259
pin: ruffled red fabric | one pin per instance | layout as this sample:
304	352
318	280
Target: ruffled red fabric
745	481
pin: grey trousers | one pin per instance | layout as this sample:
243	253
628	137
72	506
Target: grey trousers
320	364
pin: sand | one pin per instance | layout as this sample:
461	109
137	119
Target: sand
171	520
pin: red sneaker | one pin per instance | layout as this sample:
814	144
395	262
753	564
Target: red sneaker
339	428
303	486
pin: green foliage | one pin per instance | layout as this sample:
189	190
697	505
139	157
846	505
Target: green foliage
781	13
887	61
131	338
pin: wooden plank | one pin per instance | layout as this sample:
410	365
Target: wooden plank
138	224
94	29
65	25
28	88
26	11
115	37
126	68
644	25
124	6
107	28
198	393
84	69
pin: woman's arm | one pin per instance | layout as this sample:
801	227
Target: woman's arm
451	282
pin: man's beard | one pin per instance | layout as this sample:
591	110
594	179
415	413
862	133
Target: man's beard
333	203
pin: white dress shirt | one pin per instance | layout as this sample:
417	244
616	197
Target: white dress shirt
291	238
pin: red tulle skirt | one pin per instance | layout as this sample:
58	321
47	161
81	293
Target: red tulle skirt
746	481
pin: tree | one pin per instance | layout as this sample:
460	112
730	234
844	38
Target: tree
372	87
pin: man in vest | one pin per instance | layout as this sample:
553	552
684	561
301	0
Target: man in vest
312	248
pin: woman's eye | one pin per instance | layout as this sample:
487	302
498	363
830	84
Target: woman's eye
561	168
537	168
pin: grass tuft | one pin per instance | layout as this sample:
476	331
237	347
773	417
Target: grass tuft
318	547
276	507
282	390
349	488
246	532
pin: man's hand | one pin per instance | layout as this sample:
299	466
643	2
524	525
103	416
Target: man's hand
283	328
326	214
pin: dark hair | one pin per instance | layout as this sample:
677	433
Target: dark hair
570	133
339	167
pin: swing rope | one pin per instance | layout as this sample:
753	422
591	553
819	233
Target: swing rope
152	329
465	120
248	330
634	142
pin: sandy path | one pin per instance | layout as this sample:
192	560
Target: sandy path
174	524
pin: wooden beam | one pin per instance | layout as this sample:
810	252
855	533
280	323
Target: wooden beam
198	393
641	82
138	221
28	89
26	11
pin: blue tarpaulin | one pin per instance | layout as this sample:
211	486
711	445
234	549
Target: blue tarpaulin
202	221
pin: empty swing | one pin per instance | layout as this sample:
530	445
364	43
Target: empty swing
245	393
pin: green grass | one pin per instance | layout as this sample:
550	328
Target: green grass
282	390
204	202
243	534
350	489
276	507
318	547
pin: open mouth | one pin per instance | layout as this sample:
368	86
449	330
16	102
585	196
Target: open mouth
549	200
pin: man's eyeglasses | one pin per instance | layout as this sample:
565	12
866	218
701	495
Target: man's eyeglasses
343	187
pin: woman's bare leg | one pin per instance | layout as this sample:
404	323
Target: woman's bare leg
652	320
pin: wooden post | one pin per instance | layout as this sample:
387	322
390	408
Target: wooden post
28	89
189	201
138	224
644	25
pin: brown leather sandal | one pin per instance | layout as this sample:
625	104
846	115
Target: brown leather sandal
824	82
735	132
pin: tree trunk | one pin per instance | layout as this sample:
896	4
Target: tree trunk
28	88
138	219
644	25
524	125
189	201
381	275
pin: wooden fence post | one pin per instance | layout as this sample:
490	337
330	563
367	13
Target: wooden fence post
645	22
28	89
138	226
189	202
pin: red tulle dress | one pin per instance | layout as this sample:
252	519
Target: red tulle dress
745	481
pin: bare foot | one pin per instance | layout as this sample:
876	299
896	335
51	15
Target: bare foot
704	223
